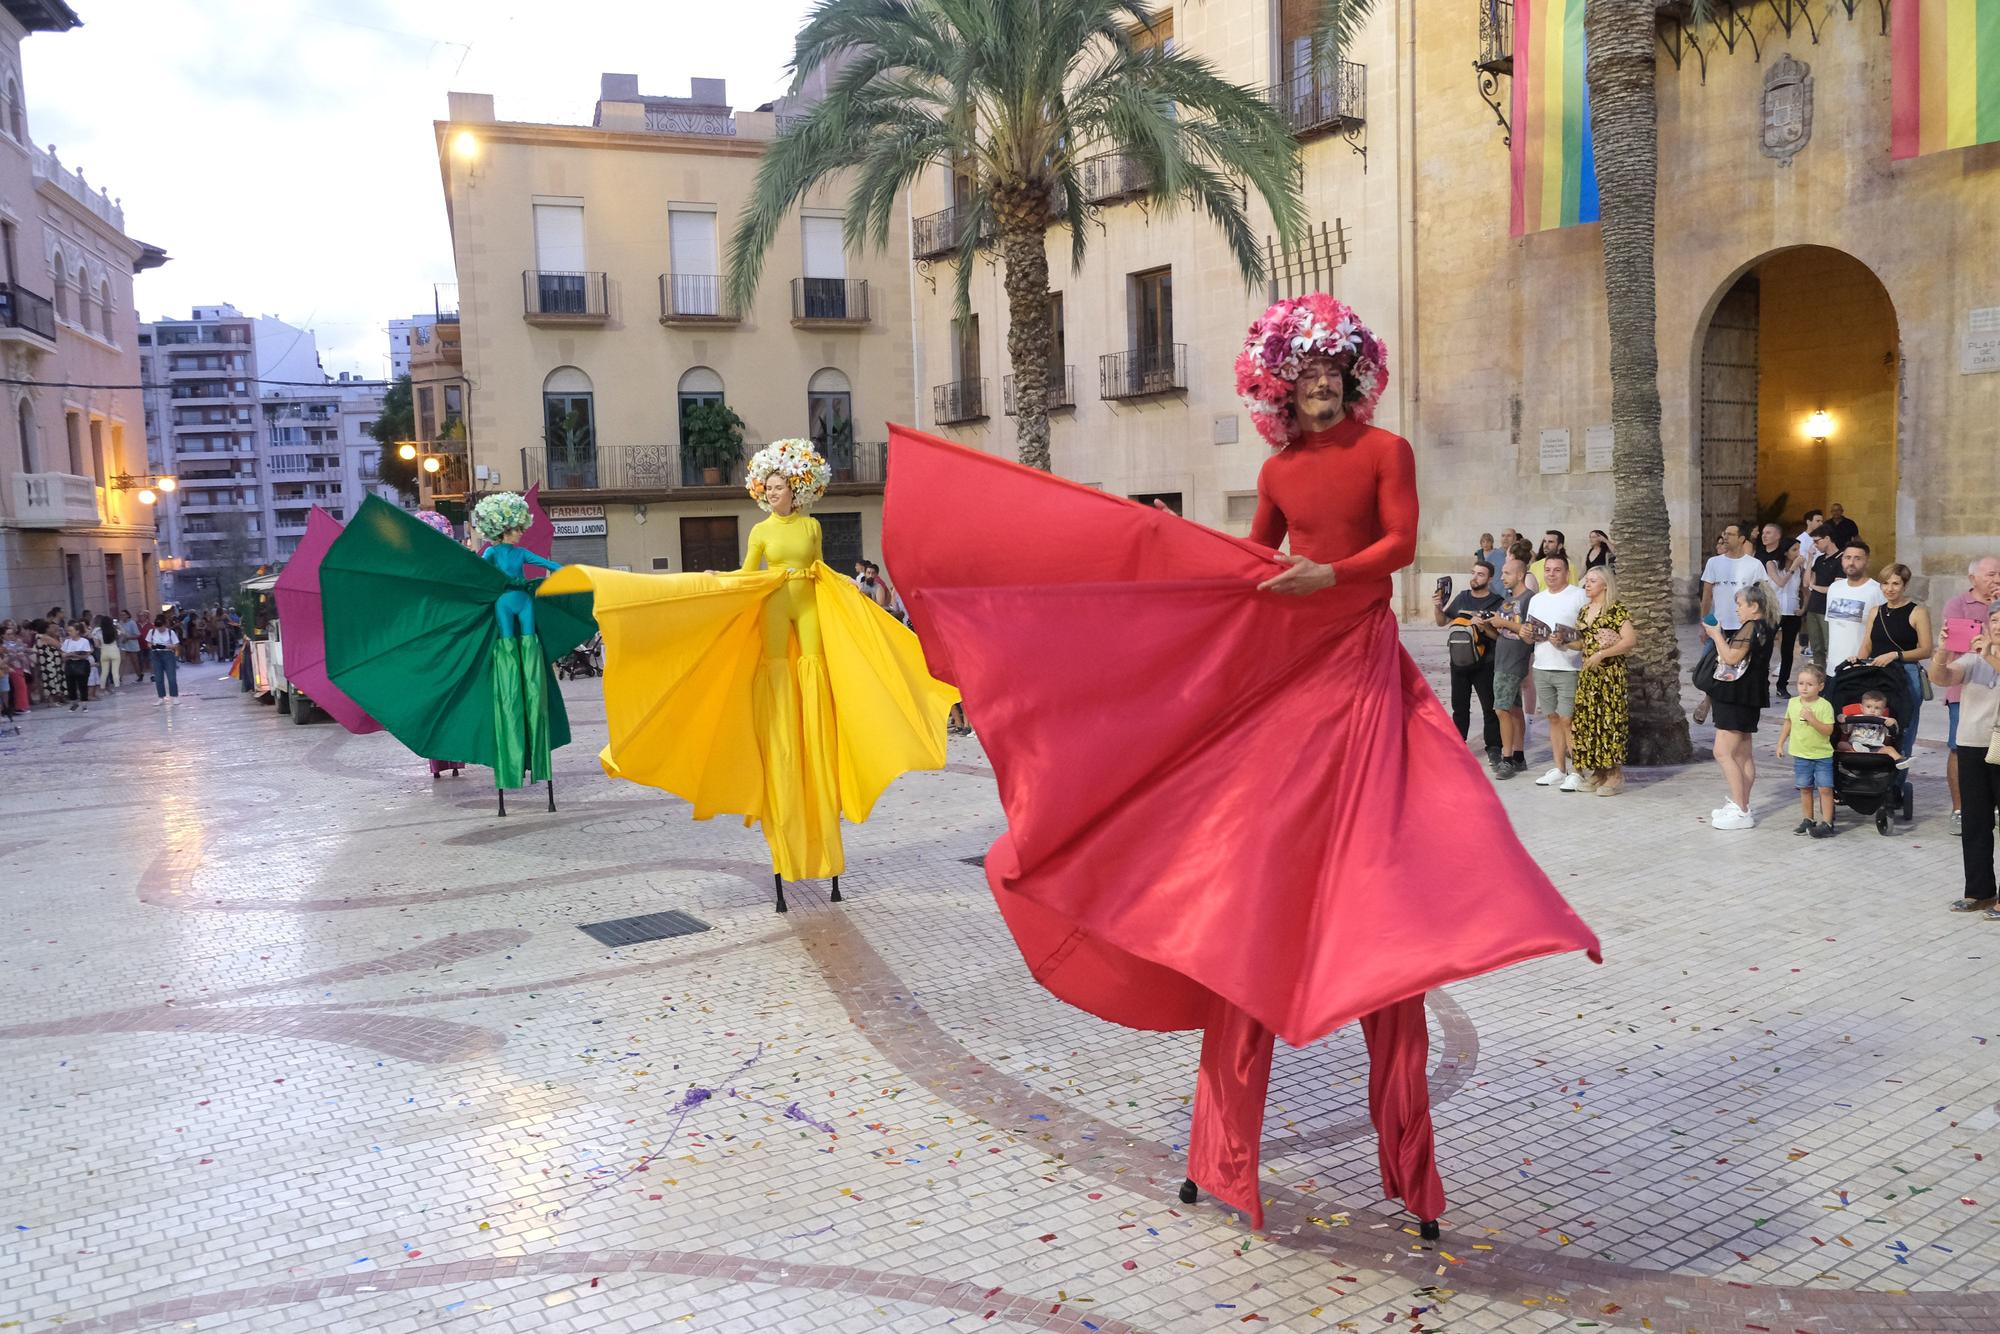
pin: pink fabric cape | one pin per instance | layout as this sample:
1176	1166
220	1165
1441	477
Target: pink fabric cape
297	596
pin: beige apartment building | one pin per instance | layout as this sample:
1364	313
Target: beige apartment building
591	316
73	532
1148	329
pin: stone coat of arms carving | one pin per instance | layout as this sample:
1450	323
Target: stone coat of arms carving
1788	109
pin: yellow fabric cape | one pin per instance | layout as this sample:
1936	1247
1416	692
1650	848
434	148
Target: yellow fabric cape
681	652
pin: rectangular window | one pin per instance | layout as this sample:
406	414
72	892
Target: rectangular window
825	251
570	432
454	402
693	288
1058	339
1153	311
965	348
426	415
73	427
559	238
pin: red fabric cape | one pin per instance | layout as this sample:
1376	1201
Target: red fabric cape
1210	791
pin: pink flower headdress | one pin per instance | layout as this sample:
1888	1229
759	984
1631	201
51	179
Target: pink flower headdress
1284	338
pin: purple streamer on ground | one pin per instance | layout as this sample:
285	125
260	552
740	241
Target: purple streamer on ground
797	1115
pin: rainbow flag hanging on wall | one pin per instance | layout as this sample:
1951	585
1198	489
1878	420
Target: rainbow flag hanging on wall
1944	75
1554	177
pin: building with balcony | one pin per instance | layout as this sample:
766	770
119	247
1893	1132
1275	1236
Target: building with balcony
72	452
404	336
1805	266
589	316
1142	396
255	433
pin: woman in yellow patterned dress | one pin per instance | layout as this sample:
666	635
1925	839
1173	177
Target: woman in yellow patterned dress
1599	729
778	692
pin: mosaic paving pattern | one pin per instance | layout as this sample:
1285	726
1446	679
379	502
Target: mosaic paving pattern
299	1039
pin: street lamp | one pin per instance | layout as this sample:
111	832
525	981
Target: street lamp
148	485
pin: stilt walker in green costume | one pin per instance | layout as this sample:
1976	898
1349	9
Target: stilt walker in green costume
452	653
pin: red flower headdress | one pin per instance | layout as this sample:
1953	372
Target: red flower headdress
1284	338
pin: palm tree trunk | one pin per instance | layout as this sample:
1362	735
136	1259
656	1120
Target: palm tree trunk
1624	113
1022	229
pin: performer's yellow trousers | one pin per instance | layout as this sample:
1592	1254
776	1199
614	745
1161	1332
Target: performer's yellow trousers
793	709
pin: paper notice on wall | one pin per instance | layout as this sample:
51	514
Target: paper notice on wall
1597	449
1555	449
1986	320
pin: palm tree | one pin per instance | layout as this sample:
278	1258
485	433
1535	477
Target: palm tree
1022	94
1624	114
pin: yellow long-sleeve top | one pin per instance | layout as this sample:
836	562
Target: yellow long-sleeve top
788	541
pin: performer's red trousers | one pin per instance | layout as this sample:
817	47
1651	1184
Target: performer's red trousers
1229	1108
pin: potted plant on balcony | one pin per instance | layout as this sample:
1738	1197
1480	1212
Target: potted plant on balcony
712	439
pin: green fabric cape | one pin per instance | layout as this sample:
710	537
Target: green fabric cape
410	632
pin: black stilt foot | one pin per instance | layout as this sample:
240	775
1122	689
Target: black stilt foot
552	794
503	799
1428	1229
1188	1192
836	889
780	882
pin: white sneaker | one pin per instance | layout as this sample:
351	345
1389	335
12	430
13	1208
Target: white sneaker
1574	783
1723	812
1550	779
1734	818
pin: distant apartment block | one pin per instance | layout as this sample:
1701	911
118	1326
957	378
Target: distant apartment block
256	434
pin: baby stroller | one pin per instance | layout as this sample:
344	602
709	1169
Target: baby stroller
583	660
1864	781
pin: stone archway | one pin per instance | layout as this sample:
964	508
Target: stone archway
1798	331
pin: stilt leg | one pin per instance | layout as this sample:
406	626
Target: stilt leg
836	889
1429	1228
503	799
780	881
1188	1193
552	794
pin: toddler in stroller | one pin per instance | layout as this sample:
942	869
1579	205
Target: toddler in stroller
1869	749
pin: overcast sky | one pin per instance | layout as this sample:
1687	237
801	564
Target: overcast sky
281	150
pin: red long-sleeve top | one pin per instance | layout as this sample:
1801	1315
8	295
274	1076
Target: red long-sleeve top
1347	497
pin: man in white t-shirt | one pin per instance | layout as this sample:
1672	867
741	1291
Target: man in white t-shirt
1848	603
1808	549
1723	575
1552	616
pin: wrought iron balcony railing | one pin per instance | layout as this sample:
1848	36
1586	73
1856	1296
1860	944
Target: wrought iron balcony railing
1142	371
565	298
694	297
959	401
1317	100
663	467
938	233
22	309
829	301
1496	37
1062	390
1112	176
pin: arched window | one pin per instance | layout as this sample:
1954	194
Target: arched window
15	126
698	384
104	310
86	314
569	425
830	418
30	448
61	285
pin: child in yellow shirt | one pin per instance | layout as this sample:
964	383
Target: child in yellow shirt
1811	749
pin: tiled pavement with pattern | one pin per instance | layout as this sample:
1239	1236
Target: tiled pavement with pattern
296	1038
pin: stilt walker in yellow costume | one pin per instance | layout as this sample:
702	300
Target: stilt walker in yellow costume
778	692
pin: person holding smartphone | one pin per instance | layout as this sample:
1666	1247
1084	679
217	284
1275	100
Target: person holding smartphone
1472	660
1963	616
1976	674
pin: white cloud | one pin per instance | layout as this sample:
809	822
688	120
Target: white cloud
281	150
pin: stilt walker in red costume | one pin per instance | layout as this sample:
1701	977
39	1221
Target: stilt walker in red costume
1227	786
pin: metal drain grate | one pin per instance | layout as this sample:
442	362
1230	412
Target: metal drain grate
651	926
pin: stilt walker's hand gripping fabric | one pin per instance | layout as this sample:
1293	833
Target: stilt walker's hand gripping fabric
413	637
1227	809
